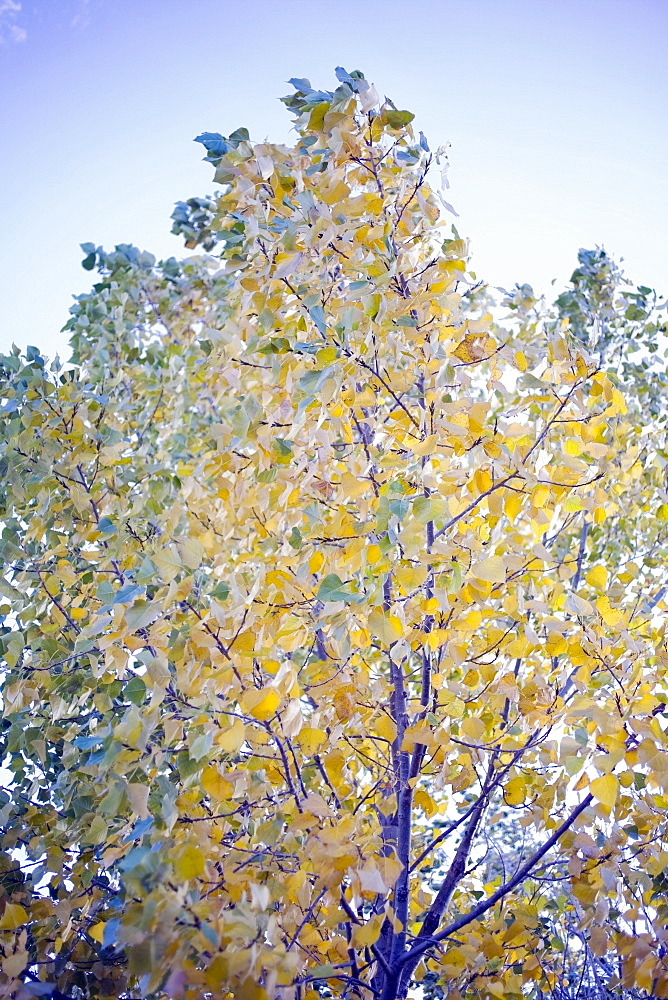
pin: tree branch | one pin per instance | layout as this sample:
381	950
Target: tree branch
412	956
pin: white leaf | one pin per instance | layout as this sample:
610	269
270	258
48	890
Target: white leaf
371	880
369	99
446	205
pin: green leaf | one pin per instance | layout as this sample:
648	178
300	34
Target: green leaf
332	588
397	119
213	142
135	691
313	381
295	539
127	593
201	745
283	447
301	84
142	614
322	971
399	507
317	314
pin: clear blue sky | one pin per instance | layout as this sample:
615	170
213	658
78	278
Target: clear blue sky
556	110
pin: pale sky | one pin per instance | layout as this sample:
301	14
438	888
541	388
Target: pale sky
557	112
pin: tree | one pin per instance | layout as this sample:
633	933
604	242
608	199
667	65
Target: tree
318	578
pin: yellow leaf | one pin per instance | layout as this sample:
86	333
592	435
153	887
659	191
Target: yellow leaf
469	623
454	961
97	932
582	782
249	989
310	739
426	447
574	446
316	562
473	728
604	789
521	361
385	728
662	512
245	643
410	577
580	366
364	935
512	505
215	785
611	616
373	554
293	884
618	402
261	704
360	638
316	806
387	628
555	644
326	355
232	738
597	577
437	637
352	486
492	570
13	965
598	941
190	863
473	349
483	480
13	917
540	495
420	732
515	791
423	800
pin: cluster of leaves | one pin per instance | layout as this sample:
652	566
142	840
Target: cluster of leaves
315	574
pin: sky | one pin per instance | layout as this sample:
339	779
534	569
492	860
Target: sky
556	112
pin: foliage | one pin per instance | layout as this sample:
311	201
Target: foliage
317	577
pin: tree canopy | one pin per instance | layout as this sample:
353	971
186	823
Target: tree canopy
333	604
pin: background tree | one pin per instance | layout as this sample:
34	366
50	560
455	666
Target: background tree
316	574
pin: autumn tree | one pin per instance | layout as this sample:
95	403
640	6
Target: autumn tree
333	603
